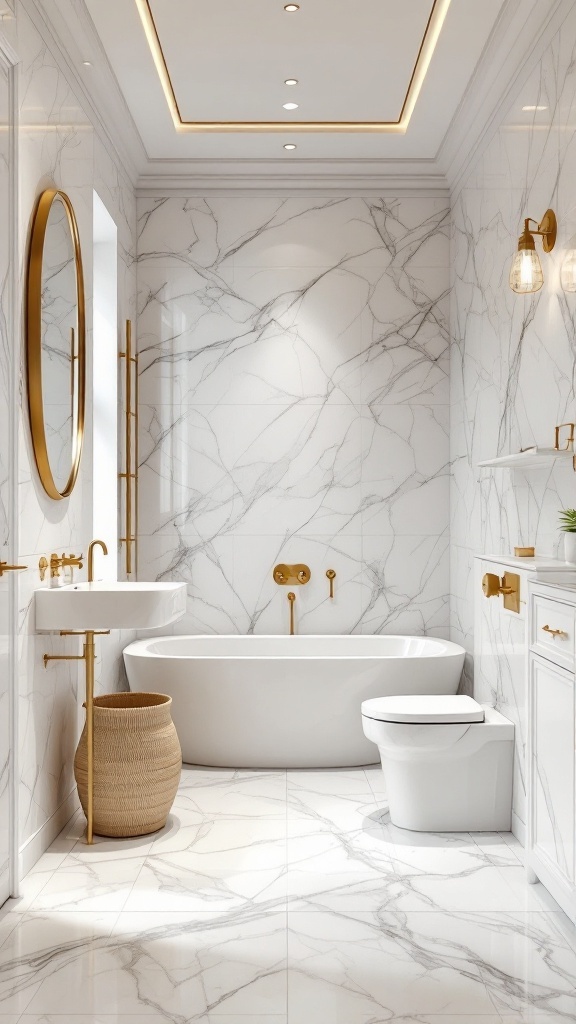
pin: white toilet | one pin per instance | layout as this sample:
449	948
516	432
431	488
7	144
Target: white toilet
447	762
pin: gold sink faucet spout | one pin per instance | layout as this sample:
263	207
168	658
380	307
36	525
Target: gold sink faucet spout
94	543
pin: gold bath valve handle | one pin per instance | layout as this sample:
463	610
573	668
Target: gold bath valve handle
331	575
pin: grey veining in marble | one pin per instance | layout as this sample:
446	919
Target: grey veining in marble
285	898
294	390
512	370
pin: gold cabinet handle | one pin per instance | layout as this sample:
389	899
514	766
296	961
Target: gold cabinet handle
554	632
4	567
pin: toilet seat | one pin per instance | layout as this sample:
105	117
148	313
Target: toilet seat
424	709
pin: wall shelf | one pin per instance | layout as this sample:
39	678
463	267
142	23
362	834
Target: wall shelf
533	458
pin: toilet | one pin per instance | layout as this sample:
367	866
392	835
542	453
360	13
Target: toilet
447	762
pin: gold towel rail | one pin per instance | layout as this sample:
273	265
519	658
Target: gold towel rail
130	474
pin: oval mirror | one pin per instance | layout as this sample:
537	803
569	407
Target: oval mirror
56	343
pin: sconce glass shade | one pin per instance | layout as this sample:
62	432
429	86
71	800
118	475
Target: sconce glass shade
526	272
568	270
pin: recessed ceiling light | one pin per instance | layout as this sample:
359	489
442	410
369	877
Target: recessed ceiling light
87	63
290	106
290	81
289	145
535	106
291	8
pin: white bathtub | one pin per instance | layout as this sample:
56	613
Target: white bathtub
285	701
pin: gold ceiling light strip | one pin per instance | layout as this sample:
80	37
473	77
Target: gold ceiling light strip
434	25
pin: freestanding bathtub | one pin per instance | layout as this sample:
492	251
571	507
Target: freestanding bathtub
285	701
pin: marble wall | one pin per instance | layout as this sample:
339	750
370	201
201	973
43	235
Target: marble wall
513	358
294	407
59	145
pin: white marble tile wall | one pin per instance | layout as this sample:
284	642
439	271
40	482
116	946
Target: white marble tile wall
59	146
513	360
294	406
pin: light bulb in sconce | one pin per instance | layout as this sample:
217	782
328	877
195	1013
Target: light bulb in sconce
526	271
568	269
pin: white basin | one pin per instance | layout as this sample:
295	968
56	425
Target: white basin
110	605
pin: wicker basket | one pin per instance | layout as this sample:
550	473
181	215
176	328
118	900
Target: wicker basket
137	763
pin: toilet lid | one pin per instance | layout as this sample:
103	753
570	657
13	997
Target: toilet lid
429	709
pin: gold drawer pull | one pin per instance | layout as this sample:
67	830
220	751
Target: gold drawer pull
554	632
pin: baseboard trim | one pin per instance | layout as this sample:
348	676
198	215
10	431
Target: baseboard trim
37	844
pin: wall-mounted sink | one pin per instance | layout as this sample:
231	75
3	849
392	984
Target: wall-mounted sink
84	606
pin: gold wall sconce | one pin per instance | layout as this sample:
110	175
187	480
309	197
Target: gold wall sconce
526	271
508	586
568	268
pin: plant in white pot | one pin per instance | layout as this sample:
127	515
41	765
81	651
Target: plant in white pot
568	526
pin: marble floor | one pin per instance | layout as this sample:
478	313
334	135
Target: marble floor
284	898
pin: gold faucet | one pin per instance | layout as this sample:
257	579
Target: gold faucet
58	562
93	544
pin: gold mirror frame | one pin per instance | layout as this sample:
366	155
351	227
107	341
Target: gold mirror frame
34	343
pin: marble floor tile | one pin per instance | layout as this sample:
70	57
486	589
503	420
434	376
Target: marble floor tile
285	898
46	949
342	799
181	965
91	879
327	868
355	968
239	794
219	865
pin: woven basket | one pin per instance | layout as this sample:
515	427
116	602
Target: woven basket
137	763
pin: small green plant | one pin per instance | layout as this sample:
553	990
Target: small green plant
568	520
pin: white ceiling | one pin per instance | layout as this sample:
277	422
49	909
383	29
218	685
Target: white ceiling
244	79
228	59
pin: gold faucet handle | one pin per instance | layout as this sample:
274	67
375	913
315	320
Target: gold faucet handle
331	575
72	560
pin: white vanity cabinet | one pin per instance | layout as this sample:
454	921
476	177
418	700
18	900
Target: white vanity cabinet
551	840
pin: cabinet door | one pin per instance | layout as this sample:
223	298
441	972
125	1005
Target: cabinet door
552	764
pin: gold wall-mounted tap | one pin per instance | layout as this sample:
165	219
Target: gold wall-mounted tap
331	575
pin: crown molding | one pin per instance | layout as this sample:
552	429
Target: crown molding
72	36
517	42
273	177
